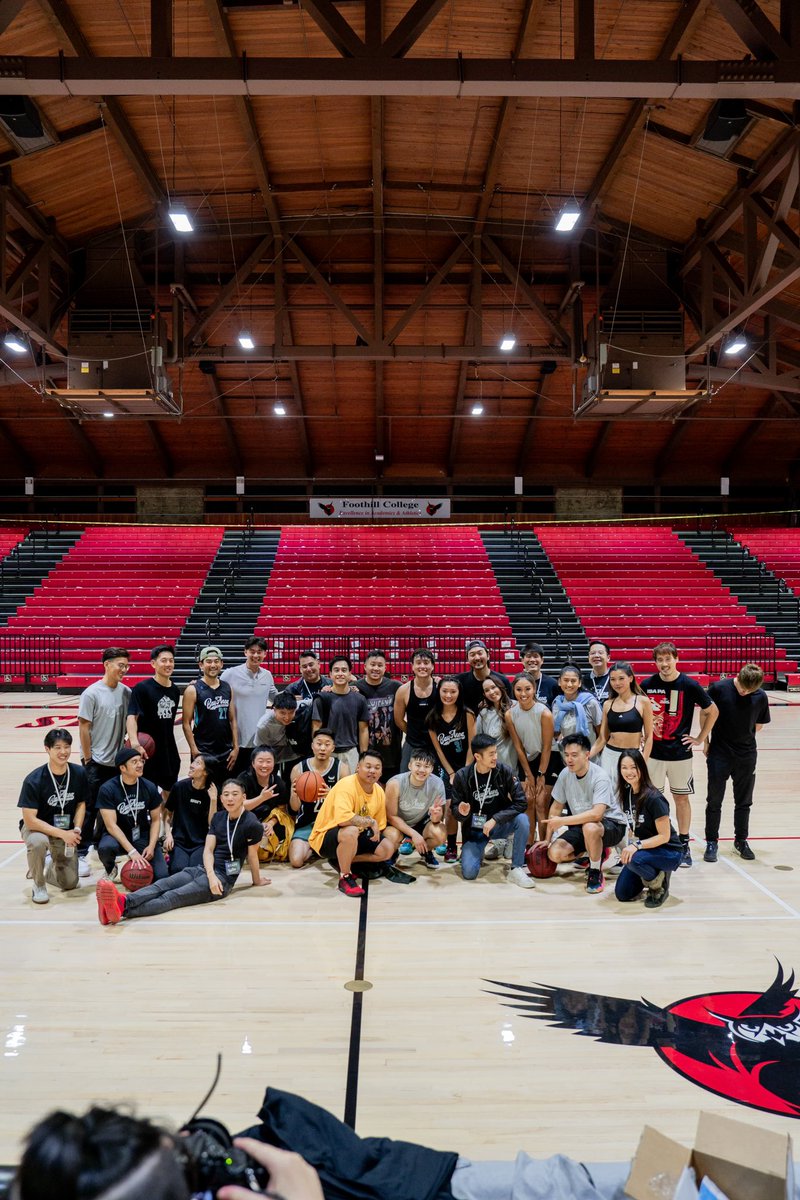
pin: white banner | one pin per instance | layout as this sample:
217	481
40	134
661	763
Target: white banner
378	508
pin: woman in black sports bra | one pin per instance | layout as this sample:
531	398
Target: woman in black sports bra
627	720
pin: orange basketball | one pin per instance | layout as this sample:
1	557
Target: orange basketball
134	877
307	786
537	862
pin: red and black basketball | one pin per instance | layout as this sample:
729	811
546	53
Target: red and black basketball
307	786
537	862
146	742
133	876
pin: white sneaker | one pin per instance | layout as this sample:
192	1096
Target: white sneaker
40	895
84	870
508	848
492	852
613	864
520	876
112	874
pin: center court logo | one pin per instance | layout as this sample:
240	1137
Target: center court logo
744	1046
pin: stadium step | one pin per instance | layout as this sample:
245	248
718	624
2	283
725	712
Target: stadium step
226	610
28	563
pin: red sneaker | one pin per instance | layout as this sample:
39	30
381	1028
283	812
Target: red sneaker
350	885
450	855
109	909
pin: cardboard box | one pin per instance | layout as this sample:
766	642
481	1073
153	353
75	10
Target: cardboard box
745	1162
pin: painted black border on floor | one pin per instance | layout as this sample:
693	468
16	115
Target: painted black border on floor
354	1052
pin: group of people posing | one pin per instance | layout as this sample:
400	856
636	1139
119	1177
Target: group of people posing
576	764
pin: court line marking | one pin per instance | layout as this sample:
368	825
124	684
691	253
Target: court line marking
357	1011
619	920
761	887
11	857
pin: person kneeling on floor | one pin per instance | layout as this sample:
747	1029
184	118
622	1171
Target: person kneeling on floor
233	836
488	802
349	827
585	815
654	849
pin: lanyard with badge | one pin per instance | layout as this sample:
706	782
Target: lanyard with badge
232	865
133	801
478	818
602	691
62	820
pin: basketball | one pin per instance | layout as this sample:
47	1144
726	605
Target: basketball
147	744
537	862
307	786
133	877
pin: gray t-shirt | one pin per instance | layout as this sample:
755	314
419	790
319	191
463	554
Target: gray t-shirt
107	709
251	695
413	803
580	794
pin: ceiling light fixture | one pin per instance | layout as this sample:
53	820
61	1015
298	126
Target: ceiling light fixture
180	219
568	217
12	342
735	343
507	342
108	414
279	409
477	410
246	341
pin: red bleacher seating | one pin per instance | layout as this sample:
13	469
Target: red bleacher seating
778	549
11	536
129	586
636	586
352	582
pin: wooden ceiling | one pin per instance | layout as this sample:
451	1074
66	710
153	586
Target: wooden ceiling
377	238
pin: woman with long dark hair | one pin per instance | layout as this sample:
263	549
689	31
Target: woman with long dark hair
188	811
451	726
627	720
653	851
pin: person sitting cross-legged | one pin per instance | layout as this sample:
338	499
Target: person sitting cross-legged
585	815
131	810
416	806
349	826
488	801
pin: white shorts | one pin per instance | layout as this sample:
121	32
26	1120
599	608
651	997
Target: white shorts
680	775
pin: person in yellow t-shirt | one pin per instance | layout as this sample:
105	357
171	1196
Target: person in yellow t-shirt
349	826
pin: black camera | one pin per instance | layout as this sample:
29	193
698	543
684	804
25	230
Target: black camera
210	1160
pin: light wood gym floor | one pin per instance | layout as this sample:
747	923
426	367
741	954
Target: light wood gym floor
138	1012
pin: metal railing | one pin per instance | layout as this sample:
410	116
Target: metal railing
449	651
29	658
726	653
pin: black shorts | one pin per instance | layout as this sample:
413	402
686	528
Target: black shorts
554	768
613	833
366	844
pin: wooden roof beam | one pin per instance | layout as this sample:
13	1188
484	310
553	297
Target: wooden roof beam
596	448
336	300
69	33
678	36
526	442
755	29
426	293
337	30
8	11
514	276
231	287
410	28
472	325
285	351
283	331
221	411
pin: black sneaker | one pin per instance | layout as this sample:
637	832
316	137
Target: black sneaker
686	856
742	847
431	860
654	899
594	880
394	876
711	852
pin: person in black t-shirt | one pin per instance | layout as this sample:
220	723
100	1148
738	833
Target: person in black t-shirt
330	770
731	753
385	735
471	682
654	849
344	711
597	679
233	836
311	681
263	787
188	811
131	810
488	800
151	709
53	801
533	660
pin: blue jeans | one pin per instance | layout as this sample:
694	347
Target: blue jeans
472	852
644	865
